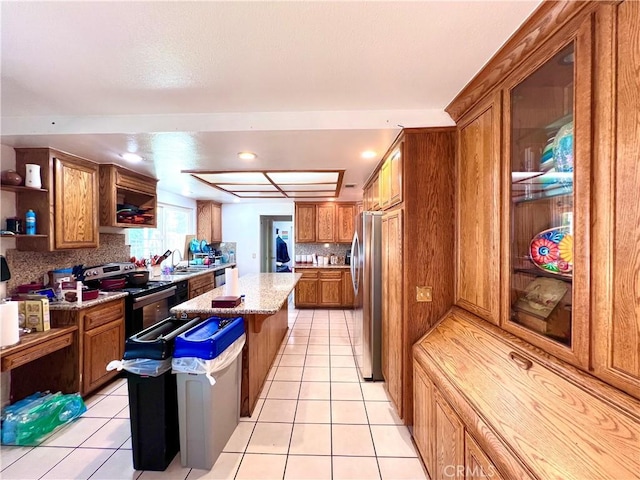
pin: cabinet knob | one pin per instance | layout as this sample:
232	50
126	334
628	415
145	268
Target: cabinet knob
519	360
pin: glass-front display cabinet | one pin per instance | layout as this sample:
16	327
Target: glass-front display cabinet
541	144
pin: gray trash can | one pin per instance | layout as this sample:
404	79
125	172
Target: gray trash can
208	414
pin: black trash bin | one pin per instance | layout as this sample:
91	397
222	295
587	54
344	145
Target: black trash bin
153	400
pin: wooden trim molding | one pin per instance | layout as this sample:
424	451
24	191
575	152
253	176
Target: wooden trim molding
540	26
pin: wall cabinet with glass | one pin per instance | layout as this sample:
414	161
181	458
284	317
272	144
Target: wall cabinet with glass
548	204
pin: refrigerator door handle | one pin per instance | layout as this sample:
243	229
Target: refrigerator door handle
355	260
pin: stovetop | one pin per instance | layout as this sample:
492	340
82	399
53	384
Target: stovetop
151	287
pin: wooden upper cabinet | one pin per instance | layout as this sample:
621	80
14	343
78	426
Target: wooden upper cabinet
128	199
615	261
66	207
478	211
547	201
384	184
374	203
305	222
326	221
345	222
390	179
209	221
76	205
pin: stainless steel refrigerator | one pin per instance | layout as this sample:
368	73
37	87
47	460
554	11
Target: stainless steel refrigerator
366	274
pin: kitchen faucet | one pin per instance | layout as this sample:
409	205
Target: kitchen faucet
173	264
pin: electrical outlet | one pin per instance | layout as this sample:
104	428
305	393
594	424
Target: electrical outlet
424	294
253	255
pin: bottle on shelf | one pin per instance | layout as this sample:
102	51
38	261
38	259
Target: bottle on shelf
31	222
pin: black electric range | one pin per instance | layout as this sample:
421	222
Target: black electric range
146	304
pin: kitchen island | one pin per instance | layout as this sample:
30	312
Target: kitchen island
264	310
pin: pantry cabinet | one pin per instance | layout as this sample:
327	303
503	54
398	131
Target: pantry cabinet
209	221
128	199
417	249
66	206
392	305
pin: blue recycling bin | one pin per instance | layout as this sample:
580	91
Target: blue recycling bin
208	413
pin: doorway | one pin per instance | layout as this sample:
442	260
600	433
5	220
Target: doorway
276	243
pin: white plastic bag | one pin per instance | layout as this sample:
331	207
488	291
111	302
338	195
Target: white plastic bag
209	367
141	366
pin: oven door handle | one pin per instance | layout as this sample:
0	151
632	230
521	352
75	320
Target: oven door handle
154	297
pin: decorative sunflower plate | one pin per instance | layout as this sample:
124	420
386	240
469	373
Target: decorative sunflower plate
552	251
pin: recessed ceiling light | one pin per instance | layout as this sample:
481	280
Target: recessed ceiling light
369	154
132	157
247	156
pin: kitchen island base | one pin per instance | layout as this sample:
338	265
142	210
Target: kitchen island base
265	314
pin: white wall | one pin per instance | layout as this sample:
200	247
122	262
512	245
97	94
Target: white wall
241	224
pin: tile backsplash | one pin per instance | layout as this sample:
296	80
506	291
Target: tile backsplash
29	267
339	249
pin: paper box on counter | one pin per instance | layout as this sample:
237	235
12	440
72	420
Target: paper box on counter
37	314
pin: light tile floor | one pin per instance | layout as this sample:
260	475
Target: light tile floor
315	419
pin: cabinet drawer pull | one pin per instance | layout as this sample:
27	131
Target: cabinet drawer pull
519	360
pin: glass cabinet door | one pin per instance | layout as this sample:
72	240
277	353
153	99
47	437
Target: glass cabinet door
541	216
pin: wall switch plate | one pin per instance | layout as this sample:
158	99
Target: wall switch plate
424	294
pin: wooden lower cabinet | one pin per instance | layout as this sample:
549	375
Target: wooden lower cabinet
320	288
488	405
347	289
201	284
306	293
424	417
449	433
477	465
101	345
330	287
103	341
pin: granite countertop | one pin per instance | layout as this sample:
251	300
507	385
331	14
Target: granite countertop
104	297
265	293
311	265
109	296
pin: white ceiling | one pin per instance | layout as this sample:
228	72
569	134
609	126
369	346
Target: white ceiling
188	85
